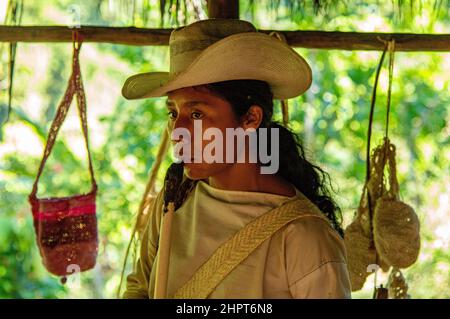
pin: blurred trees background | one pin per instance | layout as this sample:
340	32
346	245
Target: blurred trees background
331	118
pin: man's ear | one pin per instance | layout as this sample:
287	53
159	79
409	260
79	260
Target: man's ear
253	117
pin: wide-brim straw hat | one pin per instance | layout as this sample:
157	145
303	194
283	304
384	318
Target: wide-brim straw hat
216	50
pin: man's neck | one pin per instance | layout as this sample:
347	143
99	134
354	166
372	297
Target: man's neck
247	177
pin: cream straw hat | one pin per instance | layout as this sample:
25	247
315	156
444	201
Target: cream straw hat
216	50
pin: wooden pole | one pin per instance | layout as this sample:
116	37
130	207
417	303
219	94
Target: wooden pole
225	9
163	260
172	184
304	39
128	35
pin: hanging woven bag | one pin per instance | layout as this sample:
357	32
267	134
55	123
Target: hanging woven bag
66	227
396	225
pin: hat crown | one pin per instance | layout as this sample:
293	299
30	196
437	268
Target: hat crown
187	42
216	50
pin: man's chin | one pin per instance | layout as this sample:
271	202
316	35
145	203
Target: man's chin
195	171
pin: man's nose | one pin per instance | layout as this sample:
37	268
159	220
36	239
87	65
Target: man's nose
179	123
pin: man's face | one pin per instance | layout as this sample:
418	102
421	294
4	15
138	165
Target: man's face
187	109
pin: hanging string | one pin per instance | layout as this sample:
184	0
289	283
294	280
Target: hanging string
369	133
77	39
285	112
12	60
284	103
391	48
369	136
14	12
379	293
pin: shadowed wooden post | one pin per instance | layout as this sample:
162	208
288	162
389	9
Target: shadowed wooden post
172	182
226	9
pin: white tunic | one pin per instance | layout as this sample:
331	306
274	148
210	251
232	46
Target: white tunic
304	259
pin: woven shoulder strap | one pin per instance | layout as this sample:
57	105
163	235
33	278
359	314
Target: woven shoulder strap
230	254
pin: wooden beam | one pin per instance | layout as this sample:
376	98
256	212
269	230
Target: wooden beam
226	9
367	41
303	39
128	35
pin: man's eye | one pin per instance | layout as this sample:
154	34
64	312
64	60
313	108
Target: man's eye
196	115
172	115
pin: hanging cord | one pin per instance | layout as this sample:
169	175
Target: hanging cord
15	9
389	46
284	103
369	132
145	202
369	136
74	87
77	39
285	112
386	146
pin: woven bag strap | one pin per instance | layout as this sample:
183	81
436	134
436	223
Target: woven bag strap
75	86
230	254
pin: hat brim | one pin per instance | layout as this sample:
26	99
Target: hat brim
242	56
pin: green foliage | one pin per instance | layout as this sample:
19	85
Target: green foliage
332	119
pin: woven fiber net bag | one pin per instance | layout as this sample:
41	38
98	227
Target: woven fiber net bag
361	250
395	224
66	227
398	288
360	254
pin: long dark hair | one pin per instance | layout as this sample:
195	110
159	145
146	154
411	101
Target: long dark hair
310	179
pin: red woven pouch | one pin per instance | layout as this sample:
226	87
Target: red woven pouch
66	227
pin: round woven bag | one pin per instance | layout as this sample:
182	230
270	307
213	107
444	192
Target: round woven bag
395	224
396	232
